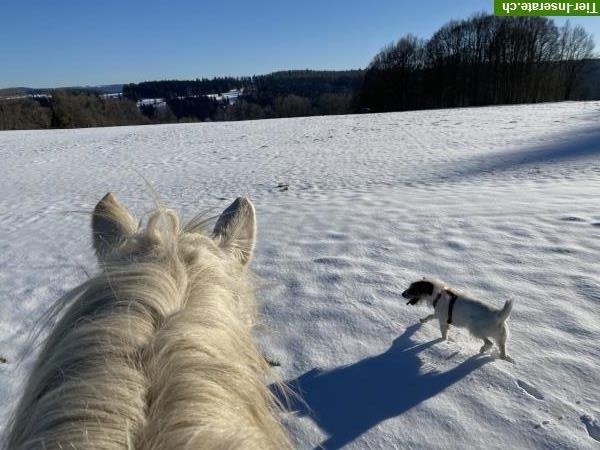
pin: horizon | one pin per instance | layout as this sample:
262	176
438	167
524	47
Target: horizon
54	46
181	79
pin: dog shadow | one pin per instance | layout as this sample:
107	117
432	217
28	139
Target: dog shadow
347	401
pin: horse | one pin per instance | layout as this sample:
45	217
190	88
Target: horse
157	350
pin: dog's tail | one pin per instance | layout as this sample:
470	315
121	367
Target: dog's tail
505	311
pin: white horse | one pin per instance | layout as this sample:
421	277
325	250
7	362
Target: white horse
156	352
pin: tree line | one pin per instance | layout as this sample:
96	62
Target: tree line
68	109
280	94
169	89
290	93
483	60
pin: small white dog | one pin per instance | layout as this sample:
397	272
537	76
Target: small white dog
450	308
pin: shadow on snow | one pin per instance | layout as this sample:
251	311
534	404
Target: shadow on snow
347	401
585	144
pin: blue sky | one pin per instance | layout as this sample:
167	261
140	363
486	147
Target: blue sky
47	43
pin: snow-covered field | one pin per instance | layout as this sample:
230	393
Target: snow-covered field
503	202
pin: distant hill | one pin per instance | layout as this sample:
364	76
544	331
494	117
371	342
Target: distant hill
15	92
287	93
103	89
306	83
21	91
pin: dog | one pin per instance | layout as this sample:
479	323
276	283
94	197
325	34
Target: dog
452	308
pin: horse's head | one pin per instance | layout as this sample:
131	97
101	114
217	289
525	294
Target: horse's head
118	237
156	351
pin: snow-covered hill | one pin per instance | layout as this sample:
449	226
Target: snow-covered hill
500	201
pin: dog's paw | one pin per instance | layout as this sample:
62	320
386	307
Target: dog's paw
423	320
509	359
484	348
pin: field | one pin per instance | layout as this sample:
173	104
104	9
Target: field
503	202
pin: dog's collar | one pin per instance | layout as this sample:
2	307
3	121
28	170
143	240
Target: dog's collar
453	298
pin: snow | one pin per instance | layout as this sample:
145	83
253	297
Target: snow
158	102
499	201
230	96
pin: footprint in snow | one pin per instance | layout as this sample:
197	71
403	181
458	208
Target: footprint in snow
531	390
592	426
332	261
452	355
572	219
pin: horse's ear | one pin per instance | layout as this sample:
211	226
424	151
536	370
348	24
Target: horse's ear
235	230
111	224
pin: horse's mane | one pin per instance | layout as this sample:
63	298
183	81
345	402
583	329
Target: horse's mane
154	352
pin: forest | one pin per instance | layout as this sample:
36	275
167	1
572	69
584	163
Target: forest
290	93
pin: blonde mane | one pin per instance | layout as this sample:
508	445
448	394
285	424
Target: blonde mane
156	352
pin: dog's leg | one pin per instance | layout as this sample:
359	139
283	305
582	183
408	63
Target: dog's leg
444	329
501	342
487	344
427	319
